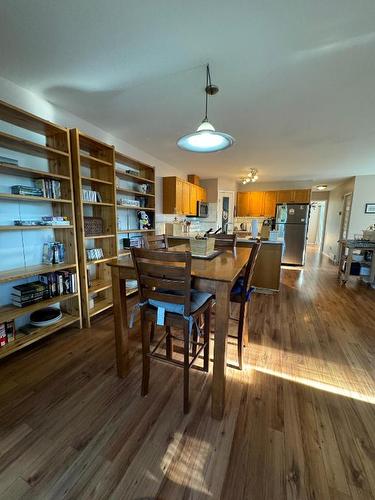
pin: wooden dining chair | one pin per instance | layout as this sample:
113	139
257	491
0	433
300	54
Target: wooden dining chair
224	241
156	242
166	297
240	294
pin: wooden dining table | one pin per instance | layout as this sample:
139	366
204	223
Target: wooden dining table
216	276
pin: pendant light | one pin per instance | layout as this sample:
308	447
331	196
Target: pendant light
206	139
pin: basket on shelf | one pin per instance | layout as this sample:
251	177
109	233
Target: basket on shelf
93	226
202	247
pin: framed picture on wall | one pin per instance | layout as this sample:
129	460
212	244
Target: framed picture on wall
370	208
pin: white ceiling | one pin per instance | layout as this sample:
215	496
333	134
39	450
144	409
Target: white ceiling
297	77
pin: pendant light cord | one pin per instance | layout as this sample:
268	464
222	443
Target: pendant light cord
208	83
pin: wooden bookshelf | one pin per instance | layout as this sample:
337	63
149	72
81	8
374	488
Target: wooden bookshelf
131	174
94	168
46	150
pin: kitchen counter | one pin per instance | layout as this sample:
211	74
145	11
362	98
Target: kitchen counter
267	269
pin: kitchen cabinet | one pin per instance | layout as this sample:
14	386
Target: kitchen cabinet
263	203
269	208
180	197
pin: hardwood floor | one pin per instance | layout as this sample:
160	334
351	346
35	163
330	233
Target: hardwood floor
299	420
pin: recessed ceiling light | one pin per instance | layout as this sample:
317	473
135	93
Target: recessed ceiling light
321	187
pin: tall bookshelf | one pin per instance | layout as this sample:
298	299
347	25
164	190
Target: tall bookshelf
94	169
135	181
34	149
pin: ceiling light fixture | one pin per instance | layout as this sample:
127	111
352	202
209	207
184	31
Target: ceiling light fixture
321	187
252	176
206	139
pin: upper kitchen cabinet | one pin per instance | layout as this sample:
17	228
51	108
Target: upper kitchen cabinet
180	197
269	207
263	203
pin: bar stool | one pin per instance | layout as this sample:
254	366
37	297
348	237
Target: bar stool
165	298
241	294
156	242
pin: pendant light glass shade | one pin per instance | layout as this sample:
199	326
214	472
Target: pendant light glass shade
206	139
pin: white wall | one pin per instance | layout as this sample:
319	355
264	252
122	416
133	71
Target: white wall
364	192
333	221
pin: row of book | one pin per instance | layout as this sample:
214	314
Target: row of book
46	188
48	220
94	253
7	333
53	252
50	188
46	287
89	195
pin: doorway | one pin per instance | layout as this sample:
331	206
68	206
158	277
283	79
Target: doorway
225	211
317	220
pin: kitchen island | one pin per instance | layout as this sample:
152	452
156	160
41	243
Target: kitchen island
267	269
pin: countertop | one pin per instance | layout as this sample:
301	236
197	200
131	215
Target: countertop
239	240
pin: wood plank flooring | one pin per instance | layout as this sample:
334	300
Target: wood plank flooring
299	420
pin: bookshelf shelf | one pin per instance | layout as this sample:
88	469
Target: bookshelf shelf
136	193
36	228
19	343
52	148
98	203
131	207
134	178
127	231
10	312
31	148
95	180
8	168
100	285
93	163
26	272
101	305
22	197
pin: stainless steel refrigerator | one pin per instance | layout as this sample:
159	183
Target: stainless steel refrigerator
292	221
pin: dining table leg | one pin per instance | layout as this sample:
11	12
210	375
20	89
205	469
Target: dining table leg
121	327
222	294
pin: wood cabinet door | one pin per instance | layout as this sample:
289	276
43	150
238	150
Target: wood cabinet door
285	196
203	194
302	196
256	203
243	204
179	200
270	203
193	198
185	198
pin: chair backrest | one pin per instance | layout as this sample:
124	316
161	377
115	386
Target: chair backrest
224	241
163	276
250	267
156	242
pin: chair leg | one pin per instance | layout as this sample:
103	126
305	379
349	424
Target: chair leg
206	333
240	331
145	352
169	343
186	367
152	332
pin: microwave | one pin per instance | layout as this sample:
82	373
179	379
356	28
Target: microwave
202	209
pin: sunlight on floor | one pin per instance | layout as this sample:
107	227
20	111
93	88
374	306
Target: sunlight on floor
329	376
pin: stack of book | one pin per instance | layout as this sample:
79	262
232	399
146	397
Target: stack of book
27	190
7	333
89	195
29	293
94	253
50	188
